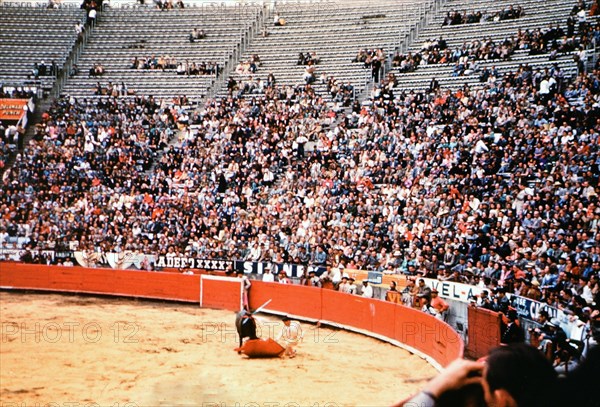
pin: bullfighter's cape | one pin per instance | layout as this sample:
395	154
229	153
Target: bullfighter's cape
261	348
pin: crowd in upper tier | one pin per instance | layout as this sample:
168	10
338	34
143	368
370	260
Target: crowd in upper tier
498	181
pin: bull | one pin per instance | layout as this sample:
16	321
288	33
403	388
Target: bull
245	326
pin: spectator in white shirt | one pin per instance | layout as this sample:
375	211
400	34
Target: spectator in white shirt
367	290
268	276
91	20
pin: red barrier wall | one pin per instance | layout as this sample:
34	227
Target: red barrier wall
484	331
130	283
287	299
406	327
221	292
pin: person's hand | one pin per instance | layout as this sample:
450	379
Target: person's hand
456	375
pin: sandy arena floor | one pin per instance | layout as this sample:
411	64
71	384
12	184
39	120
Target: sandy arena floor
57	350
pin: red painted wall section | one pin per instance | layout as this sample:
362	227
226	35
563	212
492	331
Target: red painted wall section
422	332
222	294
348	310
484	331
383	319
287	298
131	283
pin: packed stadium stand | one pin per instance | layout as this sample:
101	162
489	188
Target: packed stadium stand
480	167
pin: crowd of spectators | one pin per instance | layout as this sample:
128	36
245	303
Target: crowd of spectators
18	92
373	59
464	58
516	170
201	68
44	69
169	4
495	186
454	17
249	66
84	155
112	89
252	85
309	58
153	62
245	86
167	62
552	40
342	93
5	149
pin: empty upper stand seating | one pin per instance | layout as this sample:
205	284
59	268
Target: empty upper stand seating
536	15
30	35
123	34
335	31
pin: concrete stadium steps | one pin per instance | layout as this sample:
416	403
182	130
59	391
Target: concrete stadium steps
45	82
123	34
455	36
20	39
121	61
420	79
335	34
31	35
537	14
554	11
160	89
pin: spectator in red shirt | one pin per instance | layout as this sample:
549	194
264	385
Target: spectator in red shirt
439	304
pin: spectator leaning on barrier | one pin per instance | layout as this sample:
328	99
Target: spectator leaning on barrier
501	302
268	276
352	288
283	278
392	294
427	308
313	279
344	286
547	335
484	300
367	289
439	304
513	332
422	290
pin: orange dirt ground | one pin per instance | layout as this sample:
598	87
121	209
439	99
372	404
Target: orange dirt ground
65	350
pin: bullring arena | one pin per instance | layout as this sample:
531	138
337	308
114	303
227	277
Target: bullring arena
181	354
415	182
137	353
